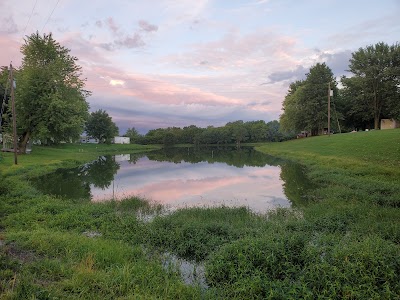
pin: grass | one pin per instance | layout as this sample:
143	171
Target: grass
343	244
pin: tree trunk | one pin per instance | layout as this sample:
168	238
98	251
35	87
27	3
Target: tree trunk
376	122
24	142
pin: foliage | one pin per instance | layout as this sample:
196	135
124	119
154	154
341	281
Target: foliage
194	233
133	135
4	95
374	86
306	104
233	132
50	97
101	127
303	266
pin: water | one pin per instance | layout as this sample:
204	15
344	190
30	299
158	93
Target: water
185	177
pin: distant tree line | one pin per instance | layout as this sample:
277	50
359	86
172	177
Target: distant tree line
370	94
232	133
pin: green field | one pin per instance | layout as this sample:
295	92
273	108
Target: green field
344	243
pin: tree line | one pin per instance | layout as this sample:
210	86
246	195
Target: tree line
371	93
232	133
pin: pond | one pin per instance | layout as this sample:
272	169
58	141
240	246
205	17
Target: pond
185	177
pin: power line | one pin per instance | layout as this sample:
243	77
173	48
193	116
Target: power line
27	23
50	15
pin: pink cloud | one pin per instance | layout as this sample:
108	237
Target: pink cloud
154	90
133	41
146	26
238	51
112	25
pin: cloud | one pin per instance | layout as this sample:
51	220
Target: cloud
8	25
133	41
87	51
112	25
145	26
115	82
263	103
297	74
119	39
338	62
99	23
237	52
361	33
106	46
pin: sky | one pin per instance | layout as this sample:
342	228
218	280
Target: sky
162	63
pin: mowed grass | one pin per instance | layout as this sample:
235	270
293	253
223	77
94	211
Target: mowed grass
380	148
343	244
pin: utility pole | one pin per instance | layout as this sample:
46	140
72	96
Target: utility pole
14	115
329	108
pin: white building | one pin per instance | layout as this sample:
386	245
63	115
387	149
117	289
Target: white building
122	140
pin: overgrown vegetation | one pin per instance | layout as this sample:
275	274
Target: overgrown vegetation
344	244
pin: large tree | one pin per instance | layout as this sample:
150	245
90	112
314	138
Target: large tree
50	96
100	126
291	119
375	81
306	104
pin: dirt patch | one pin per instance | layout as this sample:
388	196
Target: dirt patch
16	253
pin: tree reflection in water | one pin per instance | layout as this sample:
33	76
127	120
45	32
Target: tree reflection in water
77	183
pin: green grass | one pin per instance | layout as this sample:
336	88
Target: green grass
64	155
343	244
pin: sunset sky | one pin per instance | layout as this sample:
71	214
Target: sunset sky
160	63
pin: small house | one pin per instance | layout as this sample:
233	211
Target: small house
389	124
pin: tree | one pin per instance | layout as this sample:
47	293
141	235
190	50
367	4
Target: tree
354	105
305	106
292	117
100	126
4	97
189	134
376	70
133	135
238	130
50	97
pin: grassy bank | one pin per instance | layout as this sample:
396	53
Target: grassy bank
343	244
